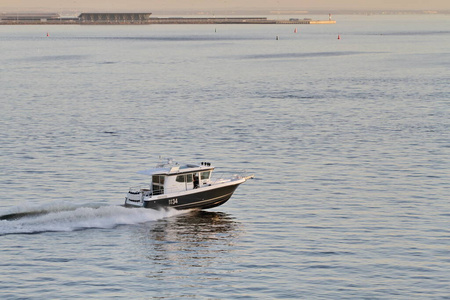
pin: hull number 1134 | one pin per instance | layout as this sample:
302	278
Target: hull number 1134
173	201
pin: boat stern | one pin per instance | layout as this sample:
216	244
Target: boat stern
135	196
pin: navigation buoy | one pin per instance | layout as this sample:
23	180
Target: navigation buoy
277	38
48	34
295	30
339	36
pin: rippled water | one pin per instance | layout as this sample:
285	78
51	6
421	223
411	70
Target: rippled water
348	139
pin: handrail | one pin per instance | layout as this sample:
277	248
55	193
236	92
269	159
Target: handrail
242	174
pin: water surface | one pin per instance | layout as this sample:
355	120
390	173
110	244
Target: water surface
348	139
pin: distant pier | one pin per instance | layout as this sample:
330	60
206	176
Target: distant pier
140	19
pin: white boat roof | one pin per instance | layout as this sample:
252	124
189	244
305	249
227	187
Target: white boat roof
176	169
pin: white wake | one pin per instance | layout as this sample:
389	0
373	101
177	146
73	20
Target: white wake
70	218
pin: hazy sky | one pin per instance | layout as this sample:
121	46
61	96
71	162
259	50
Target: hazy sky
211	5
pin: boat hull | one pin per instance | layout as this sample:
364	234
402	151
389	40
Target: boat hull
201	199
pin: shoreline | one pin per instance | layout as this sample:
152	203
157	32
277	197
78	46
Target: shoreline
170	21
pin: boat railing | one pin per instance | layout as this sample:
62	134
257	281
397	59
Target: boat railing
145	190
158	192
139	189
222	176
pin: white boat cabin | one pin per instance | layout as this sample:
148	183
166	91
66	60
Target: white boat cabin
177	178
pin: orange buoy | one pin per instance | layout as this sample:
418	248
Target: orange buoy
339	36
48	34
295	30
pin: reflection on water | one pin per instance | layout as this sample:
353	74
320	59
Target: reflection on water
180	245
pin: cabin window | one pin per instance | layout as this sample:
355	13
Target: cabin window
189	177
158	184
158	179
205	175
158	189
184	178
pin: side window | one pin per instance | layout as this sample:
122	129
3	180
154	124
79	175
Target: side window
181	178
205	175
189	177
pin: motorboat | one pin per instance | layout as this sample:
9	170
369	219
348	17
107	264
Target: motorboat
183	186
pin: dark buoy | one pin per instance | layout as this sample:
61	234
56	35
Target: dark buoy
277	38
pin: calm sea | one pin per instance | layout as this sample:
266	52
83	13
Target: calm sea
349	141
